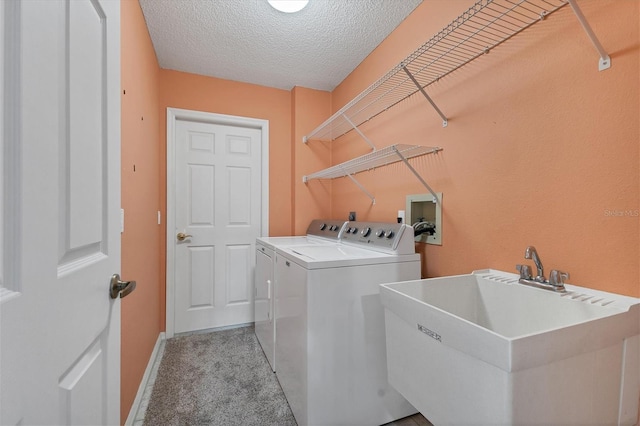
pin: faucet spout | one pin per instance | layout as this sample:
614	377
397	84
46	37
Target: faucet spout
531	253
556	280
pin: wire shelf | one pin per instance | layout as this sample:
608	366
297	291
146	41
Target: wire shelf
379	158
485	25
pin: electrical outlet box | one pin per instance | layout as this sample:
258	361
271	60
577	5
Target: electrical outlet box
352	216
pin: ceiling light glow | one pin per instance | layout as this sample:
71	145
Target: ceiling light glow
288	6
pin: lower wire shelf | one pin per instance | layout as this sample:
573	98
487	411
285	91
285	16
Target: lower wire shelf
377	158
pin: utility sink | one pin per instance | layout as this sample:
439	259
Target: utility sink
483	349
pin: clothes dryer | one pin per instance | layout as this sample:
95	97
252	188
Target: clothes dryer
319	232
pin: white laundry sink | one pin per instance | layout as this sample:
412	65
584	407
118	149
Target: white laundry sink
483	349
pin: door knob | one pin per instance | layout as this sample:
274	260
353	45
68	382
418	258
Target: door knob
182	236
120	287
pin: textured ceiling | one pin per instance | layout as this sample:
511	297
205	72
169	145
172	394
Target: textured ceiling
249	41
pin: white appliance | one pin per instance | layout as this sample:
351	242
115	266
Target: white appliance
331	333
319	232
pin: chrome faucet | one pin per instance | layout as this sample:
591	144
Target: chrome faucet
556	279
531	253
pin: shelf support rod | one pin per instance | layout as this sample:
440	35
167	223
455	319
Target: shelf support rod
445	122
362	135
426	185
362	188
605	60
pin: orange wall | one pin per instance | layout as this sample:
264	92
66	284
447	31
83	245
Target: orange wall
196	92
140	200
540	147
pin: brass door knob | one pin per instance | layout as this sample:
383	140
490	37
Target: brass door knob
182	236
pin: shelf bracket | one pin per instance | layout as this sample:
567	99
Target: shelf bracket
362	135
445	122
605	61
426	185
362	188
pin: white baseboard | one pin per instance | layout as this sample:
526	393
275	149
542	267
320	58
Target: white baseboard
131	418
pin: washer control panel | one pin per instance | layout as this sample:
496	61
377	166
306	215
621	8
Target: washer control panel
326	228
380	235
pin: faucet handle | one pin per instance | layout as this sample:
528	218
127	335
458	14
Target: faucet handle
525	271
557	277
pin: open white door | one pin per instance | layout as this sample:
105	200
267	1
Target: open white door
60	329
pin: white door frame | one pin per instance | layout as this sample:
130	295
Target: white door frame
174	114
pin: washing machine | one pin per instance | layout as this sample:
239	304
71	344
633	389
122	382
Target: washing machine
330	346
319	232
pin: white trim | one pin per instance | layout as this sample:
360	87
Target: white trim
10	132
213	330
3	178
174	114
156	356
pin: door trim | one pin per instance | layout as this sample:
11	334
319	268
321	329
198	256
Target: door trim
174	114
11	156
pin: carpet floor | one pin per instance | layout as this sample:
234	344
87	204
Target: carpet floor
217	378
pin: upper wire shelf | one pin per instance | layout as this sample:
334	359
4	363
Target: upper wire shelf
485	25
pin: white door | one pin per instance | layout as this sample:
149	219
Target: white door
60	330
218	205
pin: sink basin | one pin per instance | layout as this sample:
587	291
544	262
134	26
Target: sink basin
483	349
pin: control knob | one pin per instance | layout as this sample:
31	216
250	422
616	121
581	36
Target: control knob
354	230
365	232
380	233
390	234
324	225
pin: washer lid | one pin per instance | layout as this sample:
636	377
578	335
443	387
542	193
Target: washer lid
340	255
320	231
279	242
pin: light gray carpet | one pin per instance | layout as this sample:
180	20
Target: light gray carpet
218	378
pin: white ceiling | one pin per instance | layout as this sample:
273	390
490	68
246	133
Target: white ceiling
249	41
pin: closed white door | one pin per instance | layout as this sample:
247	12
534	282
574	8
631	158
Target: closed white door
218	209
60	329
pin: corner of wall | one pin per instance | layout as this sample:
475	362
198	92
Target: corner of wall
310	107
